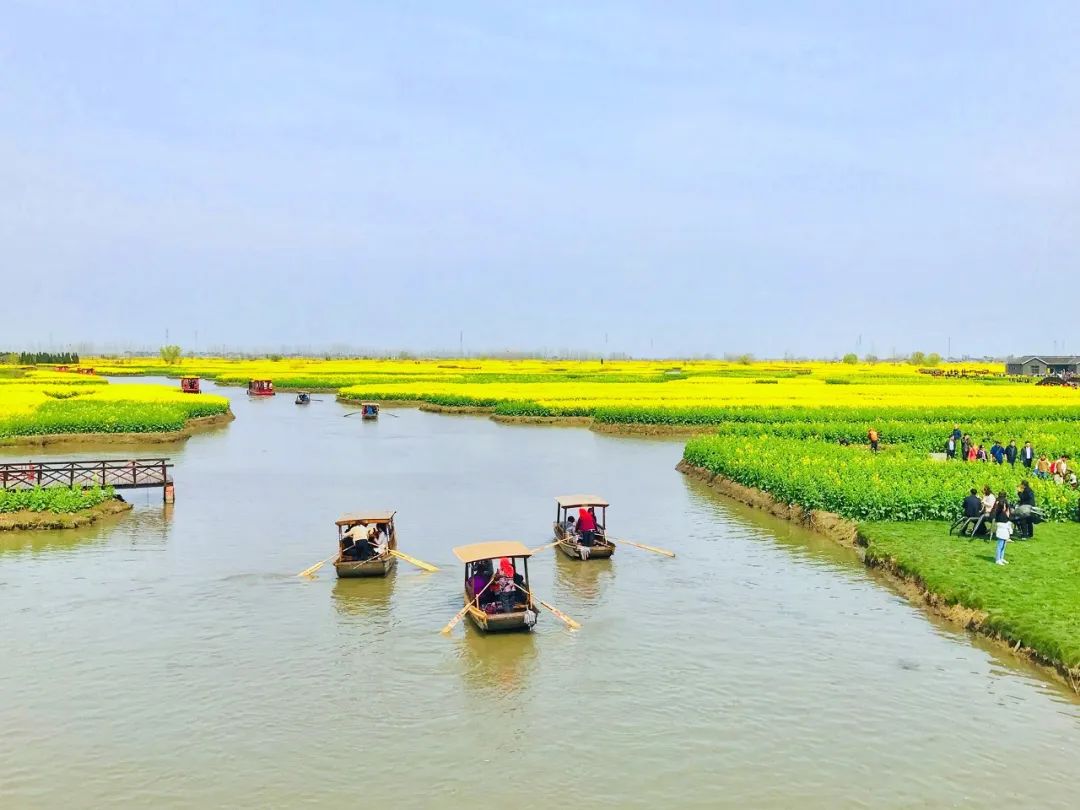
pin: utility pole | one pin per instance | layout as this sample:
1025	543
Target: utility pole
461	342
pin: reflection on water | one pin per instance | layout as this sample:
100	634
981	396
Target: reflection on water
496	663
141	526
584	579
32	541
366	598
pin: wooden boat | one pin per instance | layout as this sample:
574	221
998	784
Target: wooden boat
369	410
260	388
303	399
570	542
478	557
190	385
378	565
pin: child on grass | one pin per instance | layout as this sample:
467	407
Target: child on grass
1002	530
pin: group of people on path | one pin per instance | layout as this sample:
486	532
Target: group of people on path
961	445
996	516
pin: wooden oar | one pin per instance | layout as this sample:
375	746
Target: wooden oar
450	625
552	609
307	572
543	547
663	551
413	560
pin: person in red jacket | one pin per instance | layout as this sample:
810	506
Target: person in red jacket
586	525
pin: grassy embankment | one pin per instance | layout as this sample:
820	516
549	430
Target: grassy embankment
1034	601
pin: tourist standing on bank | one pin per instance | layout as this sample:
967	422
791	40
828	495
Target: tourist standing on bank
872	436
965	448
1010	453
950	448
1027	455
1023	514
1002	529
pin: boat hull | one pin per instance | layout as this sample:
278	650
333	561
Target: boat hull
377	567
500	622
601	550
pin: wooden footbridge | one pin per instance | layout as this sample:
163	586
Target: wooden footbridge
137	473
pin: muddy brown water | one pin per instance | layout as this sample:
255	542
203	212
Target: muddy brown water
171	658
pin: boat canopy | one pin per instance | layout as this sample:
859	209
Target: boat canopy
569	501
365	517
489	551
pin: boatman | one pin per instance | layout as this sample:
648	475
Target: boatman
586	525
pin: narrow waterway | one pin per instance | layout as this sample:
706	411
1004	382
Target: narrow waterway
171	658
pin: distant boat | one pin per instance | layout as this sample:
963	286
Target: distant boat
369	410
260	388
303	399
190	385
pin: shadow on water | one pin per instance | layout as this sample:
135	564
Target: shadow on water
364	597
496	664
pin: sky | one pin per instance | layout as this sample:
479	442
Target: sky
651	178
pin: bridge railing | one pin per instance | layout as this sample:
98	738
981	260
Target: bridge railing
116	473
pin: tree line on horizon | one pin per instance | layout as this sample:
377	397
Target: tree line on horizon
39	358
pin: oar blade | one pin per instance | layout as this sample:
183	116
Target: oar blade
307	572
418	563
558	614
450	625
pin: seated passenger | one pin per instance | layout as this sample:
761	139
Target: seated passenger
504	586
569	526
482	572
378	541
973	506
478	582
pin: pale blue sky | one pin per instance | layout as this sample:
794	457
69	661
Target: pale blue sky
683	177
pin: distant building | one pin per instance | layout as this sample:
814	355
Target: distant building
1034	365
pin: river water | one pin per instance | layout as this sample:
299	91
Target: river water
171	658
